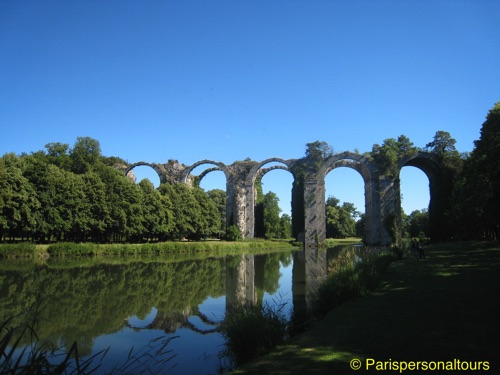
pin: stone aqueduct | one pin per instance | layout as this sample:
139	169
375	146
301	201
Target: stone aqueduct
382	193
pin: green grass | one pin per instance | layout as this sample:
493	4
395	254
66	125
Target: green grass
27	250
441	308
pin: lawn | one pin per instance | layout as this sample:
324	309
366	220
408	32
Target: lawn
442	308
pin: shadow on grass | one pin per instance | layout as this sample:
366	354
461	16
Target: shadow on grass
440	308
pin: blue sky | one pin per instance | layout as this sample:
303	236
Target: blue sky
227	80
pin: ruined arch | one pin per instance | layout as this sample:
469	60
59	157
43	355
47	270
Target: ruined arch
251	193
158	168
254	172
367	171
440	189
185	175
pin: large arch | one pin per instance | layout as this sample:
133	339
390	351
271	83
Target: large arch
367	170
258	171
440	187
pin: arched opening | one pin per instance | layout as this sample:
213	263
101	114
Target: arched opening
141	172
344	203
211	179
272	203
415	198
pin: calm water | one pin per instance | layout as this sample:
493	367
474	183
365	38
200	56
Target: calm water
124	304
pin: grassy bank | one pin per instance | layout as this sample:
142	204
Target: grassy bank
28	250
441	308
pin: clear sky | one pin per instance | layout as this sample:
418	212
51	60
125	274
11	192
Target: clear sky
227	80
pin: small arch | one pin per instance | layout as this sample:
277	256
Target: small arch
252	175
219	166
156	167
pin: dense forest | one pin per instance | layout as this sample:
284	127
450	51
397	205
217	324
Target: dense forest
77	194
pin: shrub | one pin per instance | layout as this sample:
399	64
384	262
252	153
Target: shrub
351	275
251	331
233	233
25	250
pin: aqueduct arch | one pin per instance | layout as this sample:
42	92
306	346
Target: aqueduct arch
367	170
440	189
251	193
382	192
158	168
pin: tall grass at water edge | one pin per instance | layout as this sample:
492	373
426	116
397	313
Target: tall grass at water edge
28	250
251	331
43	358
355	272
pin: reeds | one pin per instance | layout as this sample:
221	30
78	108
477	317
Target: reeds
353	273
251	331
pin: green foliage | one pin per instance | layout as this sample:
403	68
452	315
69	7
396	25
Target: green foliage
21	250
251	331
417	222
74	195
340	220
272	227
316	154
219	198
476	197
353	273
285	226
233	233
85	154
387	155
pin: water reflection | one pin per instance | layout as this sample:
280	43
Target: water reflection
123	305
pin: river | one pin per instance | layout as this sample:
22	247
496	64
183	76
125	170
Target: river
142	304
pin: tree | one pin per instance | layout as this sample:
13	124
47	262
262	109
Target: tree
57	154
418	222
476	197
154	216
388	154
285	226
85	153
18	201
442	144
219	198
271	215
207	222
340	220
317	152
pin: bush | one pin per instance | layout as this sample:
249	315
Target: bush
25	250
233	233
351	275
251	331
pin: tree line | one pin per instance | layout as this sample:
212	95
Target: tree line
77	194
469	210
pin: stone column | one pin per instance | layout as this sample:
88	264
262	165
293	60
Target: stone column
390	210
314	211
236	204
249	210
372	213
